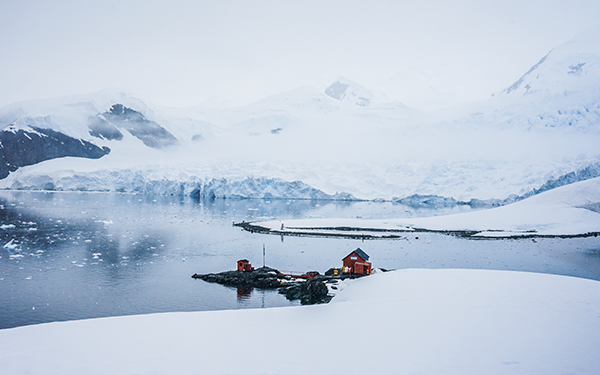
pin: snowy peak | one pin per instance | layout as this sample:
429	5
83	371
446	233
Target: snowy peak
561	90
572	66
102	115
351	92
105	126
68	115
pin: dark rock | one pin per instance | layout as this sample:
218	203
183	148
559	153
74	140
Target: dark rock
262	278
309	292
22	147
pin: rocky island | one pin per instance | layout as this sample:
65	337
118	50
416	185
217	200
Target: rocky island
310	288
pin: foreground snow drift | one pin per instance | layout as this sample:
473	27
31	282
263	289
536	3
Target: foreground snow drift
570	210
408	321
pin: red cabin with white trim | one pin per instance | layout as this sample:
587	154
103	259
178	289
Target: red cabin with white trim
356	262
244	265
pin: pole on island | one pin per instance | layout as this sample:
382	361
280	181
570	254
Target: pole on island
264	256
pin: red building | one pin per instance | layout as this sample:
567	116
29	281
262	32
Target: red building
356	262
244	265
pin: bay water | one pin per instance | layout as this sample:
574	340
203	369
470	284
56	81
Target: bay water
66	256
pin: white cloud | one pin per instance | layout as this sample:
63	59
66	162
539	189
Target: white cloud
183	52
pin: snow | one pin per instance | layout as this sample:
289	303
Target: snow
347	142
509	145
128	167
559	212
406	321
560	91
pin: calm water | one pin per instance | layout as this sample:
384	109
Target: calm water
85	255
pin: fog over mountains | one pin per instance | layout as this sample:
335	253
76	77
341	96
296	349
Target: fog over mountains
343	142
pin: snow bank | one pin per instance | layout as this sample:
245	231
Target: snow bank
564	211
408	321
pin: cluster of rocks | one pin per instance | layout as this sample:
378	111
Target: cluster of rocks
309	290
262	278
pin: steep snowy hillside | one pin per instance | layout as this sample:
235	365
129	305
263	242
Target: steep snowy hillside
68	115
562	90
572	66
106	126
340	142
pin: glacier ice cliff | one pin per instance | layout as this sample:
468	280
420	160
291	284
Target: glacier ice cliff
138	182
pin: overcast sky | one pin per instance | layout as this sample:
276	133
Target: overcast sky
181	53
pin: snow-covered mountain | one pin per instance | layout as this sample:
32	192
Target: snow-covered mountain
106	126
31	145
571	67
338	143
348	91
561	90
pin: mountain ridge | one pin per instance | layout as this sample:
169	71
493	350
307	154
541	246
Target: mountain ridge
544	125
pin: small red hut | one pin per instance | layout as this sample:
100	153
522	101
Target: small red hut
244	265
356	262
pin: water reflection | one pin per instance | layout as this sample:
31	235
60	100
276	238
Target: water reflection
84	255
243	294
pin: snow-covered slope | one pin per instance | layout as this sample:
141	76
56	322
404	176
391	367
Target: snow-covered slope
351	92
69	115
538	130
572	66
402	322
562	90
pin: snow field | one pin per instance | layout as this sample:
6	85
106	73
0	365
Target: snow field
406	321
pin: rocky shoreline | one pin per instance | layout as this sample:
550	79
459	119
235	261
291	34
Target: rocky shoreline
377	233
325	232
311	288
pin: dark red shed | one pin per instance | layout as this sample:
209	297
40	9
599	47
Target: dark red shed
356	262
244	265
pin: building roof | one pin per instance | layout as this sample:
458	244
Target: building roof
360	253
